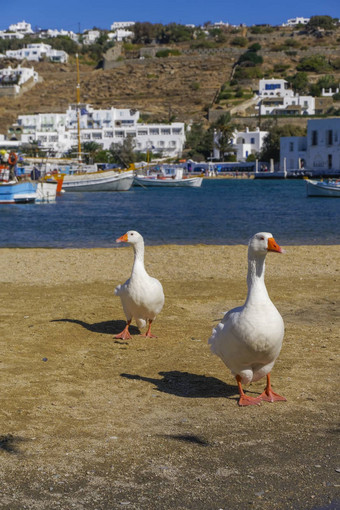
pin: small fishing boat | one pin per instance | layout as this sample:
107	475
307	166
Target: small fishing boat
107	180
167	177
13	192
330	188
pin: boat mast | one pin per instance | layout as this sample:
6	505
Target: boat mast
78	108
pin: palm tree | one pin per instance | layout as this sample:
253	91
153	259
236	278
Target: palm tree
224	130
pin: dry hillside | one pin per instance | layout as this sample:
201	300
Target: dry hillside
181	87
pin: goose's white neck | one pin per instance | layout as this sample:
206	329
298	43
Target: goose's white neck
257	291
138	264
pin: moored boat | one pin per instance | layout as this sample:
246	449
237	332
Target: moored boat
107	180
13	192
171	177
328	188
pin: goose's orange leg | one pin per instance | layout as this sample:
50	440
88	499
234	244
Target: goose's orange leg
245	400
125	334
148	333
268	395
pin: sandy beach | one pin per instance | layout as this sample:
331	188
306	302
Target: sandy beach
92	422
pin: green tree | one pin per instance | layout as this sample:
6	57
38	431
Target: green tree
299	82
224	129
325	22
271	143
315	63
123	153
199	142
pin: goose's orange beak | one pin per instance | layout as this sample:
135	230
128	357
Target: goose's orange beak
122	239
273	246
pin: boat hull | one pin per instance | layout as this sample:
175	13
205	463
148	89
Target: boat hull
322	189
191	182
17	192
98	181
46	191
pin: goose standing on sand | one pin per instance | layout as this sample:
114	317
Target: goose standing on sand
249	338
141	295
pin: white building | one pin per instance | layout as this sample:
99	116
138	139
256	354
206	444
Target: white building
57	33
90	36
59	132
22	27
276	98
318	151
122	24
296	21
11	35
16	77
243	143
120	34
37	52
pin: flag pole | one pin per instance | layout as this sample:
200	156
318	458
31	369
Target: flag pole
78	109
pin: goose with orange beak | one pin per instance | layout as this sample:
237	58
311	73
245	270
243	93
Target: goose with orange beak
249	338
141	295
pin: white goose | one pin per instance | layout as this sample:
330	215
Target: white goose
249	338
141	295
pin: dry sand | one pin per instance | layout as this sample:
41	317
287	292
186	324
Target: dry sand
91	422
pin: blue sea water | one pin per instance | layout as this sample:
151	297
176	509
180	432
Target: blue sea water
222	211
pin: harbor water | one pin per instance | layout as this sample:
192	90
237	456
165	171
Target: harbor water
222	211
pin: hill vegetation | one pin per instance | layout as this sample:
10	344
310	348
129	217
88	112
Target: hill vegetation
185	73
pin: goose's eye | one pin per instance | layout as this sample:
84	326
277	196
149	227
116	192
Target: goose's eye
261	238
132	233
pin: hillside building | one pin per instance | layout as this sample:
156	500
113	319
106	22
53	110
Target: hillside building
58	132
21	27
276	98
242	144
296	21
13	79
38	52
318	151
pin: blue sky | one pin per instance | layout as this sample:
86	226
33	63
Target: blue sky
72	14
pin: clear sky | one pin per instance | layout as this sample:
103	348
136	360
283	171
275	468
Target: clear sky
85	14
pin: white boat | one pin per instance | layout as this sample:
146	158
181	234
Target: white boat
328	188
171	177
107	180
46	191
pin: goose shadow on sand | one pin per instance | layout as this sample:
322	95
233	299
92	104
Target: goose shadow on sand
106	327
9	444
184	384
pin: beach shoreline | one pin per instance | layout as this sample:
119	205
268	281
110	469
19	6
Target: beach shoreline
89	421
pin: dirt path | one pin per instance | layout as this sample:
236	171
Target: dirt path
90	422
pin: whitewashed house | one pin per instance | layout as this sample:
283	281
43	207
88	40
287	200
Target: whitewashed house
90	36
11	35
21	27
50	32
120	34
243	143
318	151
37	52
59	132
276	98
15	78
122	24
296	21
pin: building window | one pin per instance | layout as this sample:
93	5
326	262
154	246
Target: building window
108	134
177	131
154	131
252	141
142	132
165	131
314	138
291	146
329	137
97	136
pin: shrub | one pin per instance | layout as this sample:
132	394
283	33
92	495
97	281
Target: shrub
239	41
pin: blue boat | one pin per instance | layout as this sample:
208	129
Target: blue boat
17	192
